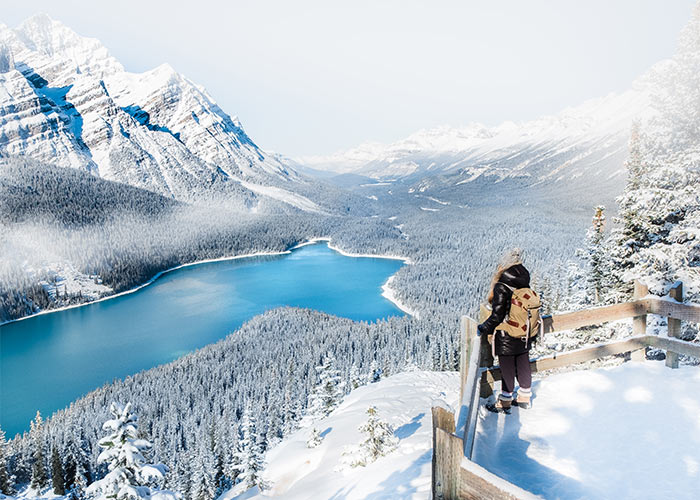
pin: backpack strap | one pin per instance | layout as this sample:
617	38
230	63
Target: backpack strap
511	288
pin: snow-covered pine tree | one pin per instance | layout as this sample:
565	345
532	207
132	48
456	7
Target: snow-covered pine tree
355	378
380	440
184	474
290	412
660	208
595	257
375	372
315	438
40	478
221	482
129	476
252	460
58	480
77	463
633	231
232	467
328	393
202	480
380	435
80	483
6	487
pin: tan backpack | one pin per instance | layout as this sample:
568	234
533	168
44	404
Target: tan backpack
523	319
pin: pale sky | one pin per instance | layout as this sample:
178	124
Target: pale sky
312	77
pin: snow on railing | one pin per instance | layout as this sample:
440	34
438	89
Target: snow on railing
455	476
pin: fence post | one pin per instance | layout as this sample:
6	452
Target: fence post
639	323
447	454
674	325
463	353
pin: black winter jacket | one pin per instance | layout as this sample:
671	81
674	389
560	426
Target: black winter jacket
517	277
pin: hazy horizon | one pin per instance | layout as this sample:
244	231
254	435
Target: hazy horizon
311	78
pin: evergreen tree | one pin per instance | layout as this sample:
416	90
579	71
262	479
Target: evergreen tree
6	487
380	438
379	441
221	482
202	481
232	468
129	475
634	231
660	207
375	371
80	483
40	478
328	394
595	256
355	378
252	461
184	474
315	438
57	476
69	471
290	412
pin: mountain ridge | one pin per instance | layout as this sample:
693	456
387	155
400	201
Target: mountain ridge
65	99
588	140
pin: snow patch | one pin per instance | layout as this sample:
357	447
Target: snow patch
605	433
404	401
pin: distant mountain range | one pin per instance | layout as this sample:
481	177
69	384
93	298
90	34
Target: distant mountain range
64	99
585	146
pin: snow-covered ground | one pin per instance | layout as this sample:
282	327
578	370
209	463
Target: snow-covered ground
404	401
66	280
628	432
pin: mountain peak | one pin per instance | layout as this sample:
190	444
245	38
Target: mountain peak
40	19
45	35
155	130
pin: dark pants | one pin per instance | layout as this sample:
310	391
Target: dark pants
512	365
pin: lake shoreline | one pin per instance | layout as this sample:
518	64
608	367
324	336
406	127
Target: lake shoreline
387	291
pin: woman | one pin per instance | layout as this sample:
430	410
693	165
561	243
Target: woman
513	352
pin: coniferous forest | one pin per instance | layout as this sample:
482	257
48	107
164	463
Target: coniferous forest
212	414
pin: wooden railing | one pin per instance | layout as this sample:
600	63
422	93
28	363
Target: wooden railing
455	475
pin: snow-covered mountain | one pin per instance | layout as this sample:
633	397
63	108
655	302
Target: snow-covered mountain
66	100
587	141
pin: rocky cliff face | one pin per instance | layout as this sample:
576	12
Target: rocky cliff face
64	99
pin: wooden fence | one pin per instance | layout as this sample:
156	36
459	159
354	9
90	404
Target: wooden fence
455	475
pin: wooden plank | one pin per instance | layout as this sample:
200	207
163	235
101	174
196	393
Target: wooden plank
595	316
445	420
463	354
582	355
470	333
638	355
674	325
676	345
477	483
589	353
639	323
668	308
470	400
447	453
484	313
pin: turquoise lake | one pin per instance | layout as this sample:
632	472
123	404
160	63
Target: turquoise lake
49	360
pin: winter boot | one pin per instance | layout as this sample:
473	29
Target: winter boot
523	399
502	404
